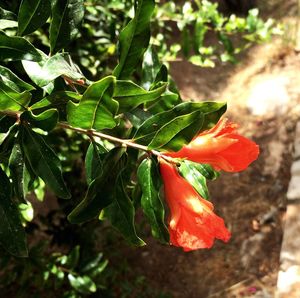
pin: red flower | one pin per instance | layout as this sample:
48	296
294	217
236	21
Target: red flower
192	222
220	147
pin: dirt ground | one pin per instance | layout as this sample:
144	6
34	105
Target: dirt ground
263	95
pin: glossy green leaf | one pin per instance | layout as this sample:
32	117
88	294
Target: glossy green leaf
56	100
50	68
96	109
176	126
150	67
17	48
32	15
93	161
12	234
134	39
13	81
66	17
99	193
121	213
195	178
46	120
19	173
44	162
82	284
129	95
13	100
150	201
205	169
161	123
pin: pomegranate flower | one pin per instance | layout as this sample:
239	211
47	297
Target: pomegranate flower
192	222
221	147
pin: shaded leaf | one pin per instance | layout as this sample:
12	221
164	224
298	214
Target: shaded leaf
17	48
66	16
19	173
134	39
93	161
7	15
99	193
96	108
46	120
43	161
32	15
5	123
121	213
12	234
150	201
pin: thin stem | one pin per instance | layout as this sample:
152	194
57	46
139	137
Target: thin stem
92	133
124	142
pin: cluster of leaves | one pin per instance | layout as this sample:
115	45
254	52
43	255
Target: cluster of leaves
38	97
70	275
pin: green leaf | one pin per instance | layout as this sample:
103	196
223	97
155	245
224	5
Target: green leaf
46	120
96	108
82	284
195	178
7	15
13	81
199	34
92	263
13	100
73	258
99	193
43	161
129	95
17	48
150	67
19	173
32	15
56	100
7	143
48	69
176	126
186	42
93	161
150	201
12	234
66	17
121	214
205	169
4	24
134	39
